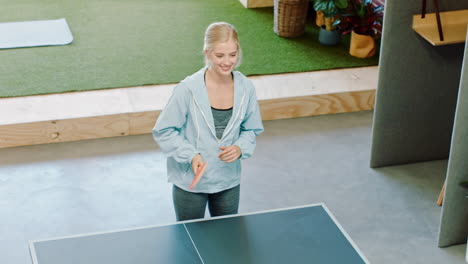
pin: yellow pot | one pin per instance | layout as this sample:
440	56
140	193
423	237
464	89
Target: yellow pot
362	46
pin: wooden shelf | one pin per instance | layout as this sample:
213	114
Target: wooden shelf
454	26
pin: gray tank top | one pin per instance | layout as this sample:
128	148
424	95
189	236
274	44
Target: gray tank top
221	118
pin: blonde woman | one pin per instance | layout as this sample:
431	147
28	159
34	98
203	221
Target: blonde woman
212	117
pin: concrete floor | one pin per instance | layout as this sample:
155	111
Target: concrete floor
100	185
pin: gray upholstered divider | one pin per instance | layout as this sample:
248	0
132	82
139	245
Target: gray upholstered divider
454	223
417	89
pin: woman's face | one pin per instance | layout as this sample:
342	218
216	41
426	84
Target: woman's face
223	57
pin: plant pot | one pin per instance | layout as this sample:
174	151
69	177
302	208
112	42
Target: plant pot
289	19
329	38
362	46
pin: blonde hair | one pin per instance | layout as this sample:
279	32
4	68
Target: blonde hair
220	32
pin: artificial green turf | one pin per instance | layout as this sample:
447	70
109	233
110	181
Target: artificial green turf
121	43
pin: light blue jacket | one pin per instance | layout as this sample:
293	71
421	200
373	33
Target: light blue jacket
185	127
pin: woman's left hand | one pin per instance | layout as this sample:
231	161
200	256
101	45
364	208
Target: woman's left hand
230	154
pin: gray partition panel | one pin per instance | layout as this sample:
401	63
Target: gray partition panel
166	244
417	89
454	222
305	235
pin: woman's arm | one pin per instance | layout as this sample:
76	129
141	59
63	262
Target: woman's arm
167	131
251	125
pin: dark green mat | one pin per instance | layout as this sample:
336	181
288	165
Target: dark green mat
121	43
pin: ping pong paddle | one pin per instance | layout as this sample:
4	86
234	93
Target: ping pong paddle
198	176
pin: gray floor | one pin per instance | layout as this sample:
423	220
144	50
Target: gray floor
100	185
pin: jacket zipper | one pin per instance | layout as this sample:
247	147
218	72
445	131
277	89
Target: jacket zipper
232	123
204	117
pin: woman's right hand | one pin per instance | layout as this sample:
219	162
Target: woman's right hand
197	162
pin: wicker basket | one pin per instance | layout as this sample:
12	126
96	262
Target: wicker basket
290	17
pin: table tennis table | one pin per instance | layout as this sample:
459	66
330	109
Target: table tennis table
304	234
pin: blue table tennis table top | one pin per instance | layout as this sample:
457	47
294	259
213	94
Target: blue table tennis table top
305	234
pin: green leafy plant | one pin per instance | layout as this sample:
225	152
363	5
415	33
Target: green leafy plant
330	8
362	17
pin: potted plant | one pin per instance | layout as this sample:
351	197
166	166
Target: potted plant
329	34
363	19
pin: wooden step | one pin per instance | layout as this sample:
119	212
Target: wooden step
76	116
256	3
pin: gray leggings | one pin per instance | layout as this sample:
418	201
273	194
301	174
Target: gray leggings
190	205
